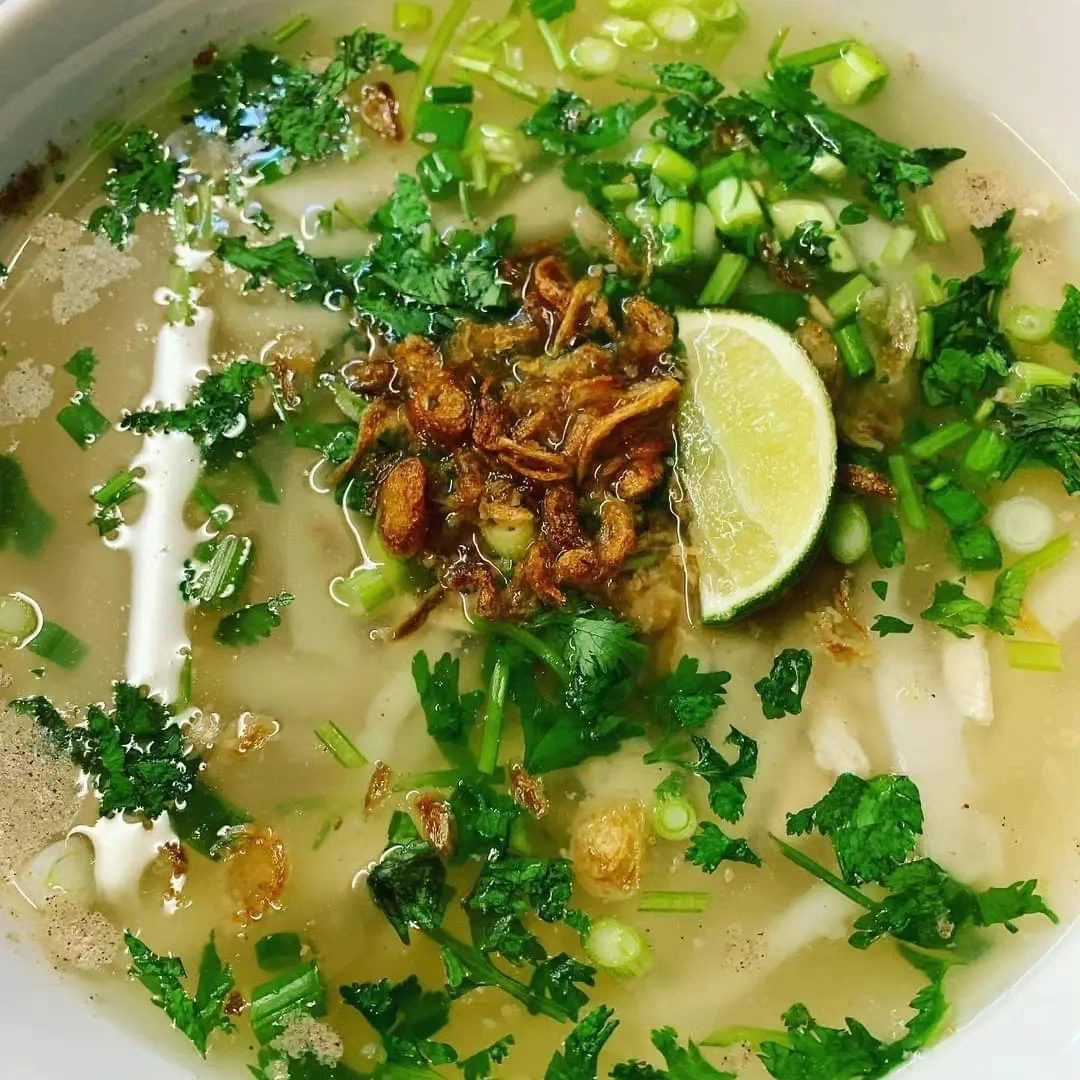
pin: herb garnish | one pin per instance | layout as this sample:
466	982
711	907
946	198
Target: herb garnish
781	691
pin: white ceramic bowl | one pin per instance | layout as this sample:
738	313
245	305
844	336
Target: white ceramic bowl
64	63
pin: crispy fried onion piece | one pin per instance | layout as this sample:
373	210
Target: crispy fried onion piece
477	342
472	577
568	309
596	563
586	312
537	572
534	462
402	512
419	615
649	332
861	480
257	870
439	410
645	399
379	419
820	346
437	823
528	791
839	631
608	849
379	787
379	110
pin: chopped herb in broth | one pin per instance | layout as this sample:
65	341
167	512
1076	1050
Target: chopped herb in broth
580	578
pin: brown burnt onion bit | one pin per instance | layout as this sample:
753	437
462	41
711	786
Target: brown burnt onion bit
555	426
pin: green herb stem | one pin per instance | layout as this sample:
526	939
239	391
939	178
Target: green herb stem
754	1037
493	716
907	494
440	42
1035	656
528	641
340	745
937	442
673	901
811	866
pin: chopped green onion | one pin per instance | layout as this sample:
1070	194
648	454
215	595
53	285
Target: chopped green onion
724	279
820	54
83	422
734	164
1035	655
675	23
924	342
845	301
222	581
480	61
854	351
674	817
595	56
409	18
273	1003
673	168
494	713
554	45
455	94
898	246
117	490
290	29
735	207
442	125
440	42
986	454
276	951
931	290
828	168
1026	376
618	947
340	745
932	229
677	232
629	33
440	172
907	493
858	75
52	642
848	532
617	193
937	442
1012	583
1031	325
206	822
521	88
549	10
674	901
18	619
706	240
975	548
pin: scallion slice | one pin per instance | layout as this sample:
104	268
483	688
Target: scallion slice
412	18
724	280
674	818
340	745
618	947
83	422
932	229
1031	325
1035	655
907	494
300	990
58	645
673	901
856	354
848	534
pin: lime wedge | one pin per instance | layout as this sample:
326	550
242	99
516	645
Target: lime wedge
757	457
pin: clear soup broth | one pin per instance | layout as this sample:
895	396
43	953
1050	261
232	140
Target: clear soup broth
283	765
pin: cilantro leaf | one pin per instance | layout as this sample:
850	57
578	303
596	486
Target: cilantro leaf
217	418
1067	323
568	125
691	120
973	354
24	523
405	1016
519	885
408	883
551	9
556	980
580	1054
81	367
450	715
874	825
134	754
483	819
253	623
953	610
727	794
142	179
198	1017
682	1064
686	698
929	908
887	541
283	264
812	1050
711	846
479	1066
792	126
781	691
1045	426
884	625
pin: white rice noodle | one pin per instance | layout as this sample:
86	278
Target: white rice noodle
836	748
1053	598
926	730
965	664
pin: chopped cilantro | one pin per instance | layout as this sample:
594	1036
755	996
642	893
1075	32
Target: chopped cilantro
1045	427
1067	324
197	1017
874	824
568	125
408	883
781	691
973	354
579	1057
142	179
887	541
135	753
483	819
881	589
686	698
450	715
727	794
253	623
884	625
517	885
551	9
24	523
282	263
955	611
691	120
682	1064
405	1017
792	126
81	367
480	1066
218	417
711	846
